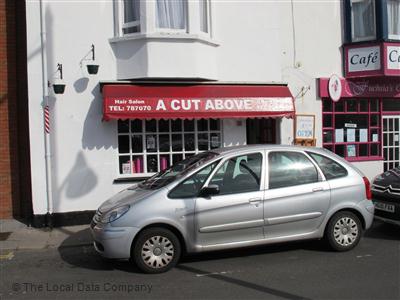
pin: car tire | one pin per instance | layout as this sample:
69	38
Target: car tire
156	250
344	231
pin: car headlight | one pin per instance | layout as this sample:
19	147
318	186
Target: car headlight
114	214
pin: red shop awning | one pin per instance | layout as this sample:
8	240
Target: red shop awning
133	101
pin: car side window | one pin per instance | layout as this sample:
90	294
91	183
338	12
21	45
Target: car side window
240	174
329	167
290	169
190	187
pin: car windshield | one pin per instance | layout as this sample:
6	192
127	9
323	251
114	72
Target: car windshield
176	171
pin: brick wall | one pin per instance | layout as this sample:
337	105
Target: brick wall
15	199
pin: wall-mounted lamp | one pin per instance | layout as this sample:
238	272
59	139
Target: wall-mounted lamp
58	85
92	67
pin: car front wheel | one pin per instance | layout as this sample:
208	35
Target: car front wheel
156	250
344	231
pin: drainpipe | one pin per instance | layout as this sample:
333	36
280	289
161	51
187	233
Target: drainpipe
46	117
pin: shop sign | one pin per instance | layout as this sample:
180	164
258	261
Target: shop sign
393	57
170	107
196	101
365	87
364	59
305	125
335	88
373	59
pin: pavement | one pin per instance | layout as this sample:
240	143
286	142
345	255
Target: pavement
15	235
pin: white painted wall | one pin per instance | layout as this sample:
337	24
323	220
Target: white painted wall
309	51
370	168
83	147
252	41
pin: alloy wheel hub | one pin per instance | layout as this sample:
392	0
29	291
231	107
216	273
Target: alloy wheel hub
345	231
157	252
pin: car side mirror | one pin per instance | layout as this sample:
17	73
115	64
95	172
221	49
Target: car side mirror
210	190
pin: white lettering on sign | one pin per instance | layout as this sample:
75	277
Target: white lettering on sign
192	105
393	58
364	59
161	105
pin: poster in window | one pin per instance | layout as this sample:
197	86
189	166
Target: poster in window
304	126
151	142
126	168
215	141
351	135
351	150
375	137
363	135
339	135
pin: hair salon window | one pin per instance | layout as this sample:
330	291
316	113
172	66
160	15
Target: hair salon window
363	20
352	128
149	146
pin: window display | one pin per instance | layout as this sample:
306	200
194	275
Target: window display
351	128
150	146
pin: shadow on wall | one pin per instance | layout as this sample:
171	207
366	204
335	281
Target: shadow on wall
131	53
81	179
97	133
81	85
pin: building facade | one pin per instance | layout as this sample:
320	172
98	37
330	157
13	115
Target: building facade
178	77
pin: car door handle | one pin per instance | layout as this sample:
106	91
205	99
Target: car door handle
318	189
255	201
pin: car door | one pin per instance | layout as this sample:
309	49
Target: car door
297	198
236	213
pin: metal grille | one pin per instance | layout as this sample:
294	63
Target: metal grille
96	218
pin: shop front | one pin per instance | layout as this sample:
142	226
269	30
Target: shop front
364	124
160	124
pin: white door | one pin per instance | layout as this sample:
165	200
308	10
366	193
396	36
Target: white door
391	144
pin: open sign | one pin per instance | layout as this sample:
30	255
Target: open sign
304	126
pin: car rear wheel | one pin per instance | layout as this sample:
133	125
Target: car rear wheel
343	231
156	250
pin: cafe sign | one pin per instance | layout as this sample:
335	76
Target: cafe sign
372	60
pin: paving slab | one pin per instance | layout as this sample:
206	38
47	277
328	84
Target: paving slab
18	236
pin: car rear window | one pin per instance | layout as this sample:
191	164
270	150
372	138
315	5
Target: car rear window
329	167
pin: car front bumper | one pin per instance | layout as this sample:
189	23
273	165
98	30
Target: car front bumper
113	242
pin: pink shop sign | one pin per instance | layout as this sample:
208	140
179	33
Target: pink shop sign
372	60
362	88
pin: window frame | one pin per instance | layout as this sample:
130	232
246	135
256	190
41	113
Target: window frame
144	153
147	23
180	182
226	158
173	30
235	156
389	35
310	154
367	38
120	8
321	176
332	145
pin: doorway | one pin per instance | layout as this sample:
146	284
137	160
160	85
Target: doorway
261	131
391	141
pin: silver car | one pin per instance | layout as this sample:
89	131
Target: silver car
235	197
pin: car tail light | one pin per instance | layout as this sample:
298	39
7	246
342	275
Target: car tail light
368	193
